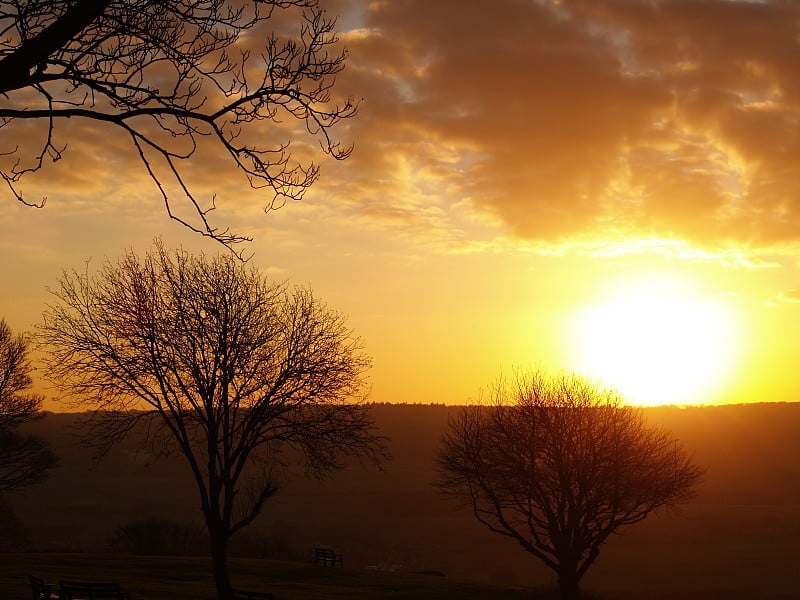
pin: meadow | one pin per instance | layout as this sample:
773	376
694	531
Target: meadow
189	578
739	540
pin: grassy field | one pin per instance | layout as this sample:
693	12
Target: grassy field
740	540
189	578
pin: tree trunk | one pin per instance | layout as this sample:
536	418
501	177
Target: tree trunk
218	537
569	584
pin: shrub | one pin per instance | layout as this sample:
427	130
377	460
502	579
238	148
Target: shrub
152	535
13	533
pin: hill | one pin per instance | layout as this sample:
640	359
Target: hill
739	539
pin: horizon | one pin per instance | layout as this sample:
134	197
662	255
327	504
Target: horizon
644	407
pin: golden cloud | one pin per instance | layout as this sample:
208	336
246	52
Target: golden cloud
552	121
671	118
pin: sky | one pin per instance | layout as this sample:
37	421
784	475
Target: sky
605	187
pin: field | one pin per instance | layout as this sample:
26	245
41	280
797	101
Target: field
739	540
189	578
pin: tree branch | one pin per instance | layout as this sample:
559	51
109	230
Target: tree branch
16	68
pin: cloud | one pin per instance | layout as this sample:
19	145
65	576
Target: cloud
792	296
597	118
558	123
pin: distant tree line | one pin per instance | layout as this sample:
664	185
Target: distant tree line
158	536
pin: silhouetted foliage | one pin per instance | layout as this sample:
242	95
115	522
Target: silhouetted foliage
13	533
558	465
254	543
158	536
169	75
24	458
219	364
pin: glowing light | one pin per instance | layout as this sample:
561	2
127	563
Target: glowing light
657	342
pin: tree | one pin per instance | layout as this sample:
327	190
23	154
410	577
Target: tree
559	464
169	75
24	458
13	533
205	356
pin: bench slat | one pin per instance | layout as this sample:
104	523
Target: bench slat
91	590
245	595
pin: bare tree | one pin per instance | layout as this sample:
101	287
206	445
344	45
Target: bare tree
24	458
167	75
558	465
206	356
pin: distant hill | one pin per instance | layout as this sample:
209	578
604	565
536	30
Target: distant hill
742	533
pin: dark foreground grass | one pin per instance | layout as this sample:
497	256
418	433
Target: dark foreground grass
190	578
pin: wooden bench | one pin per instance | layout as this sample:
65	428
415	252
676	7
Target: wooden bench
91	590
245	595
42	590
326	556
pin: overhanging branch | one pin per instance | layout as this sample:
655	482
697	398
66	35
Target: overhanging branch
16	68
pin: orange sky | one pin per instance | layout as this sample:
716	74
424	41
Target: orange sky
513	168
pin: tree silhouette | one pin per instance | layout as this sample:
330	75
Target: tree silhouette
205	357
24	458
169	75
558	465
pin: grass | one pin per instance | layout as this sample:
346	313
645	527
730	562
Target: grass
190	578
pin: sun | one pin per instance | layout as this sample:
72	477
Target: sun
656	341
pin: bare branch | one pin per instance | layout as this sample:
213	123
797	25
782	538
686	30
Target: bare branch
558	465
175	75
206	356
24	459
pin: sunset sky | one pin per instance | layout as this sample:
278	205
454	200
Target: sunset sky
606	187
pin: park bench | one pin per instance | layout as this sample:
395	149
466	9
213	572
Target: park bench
326	556
245	595
42	590
91	590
